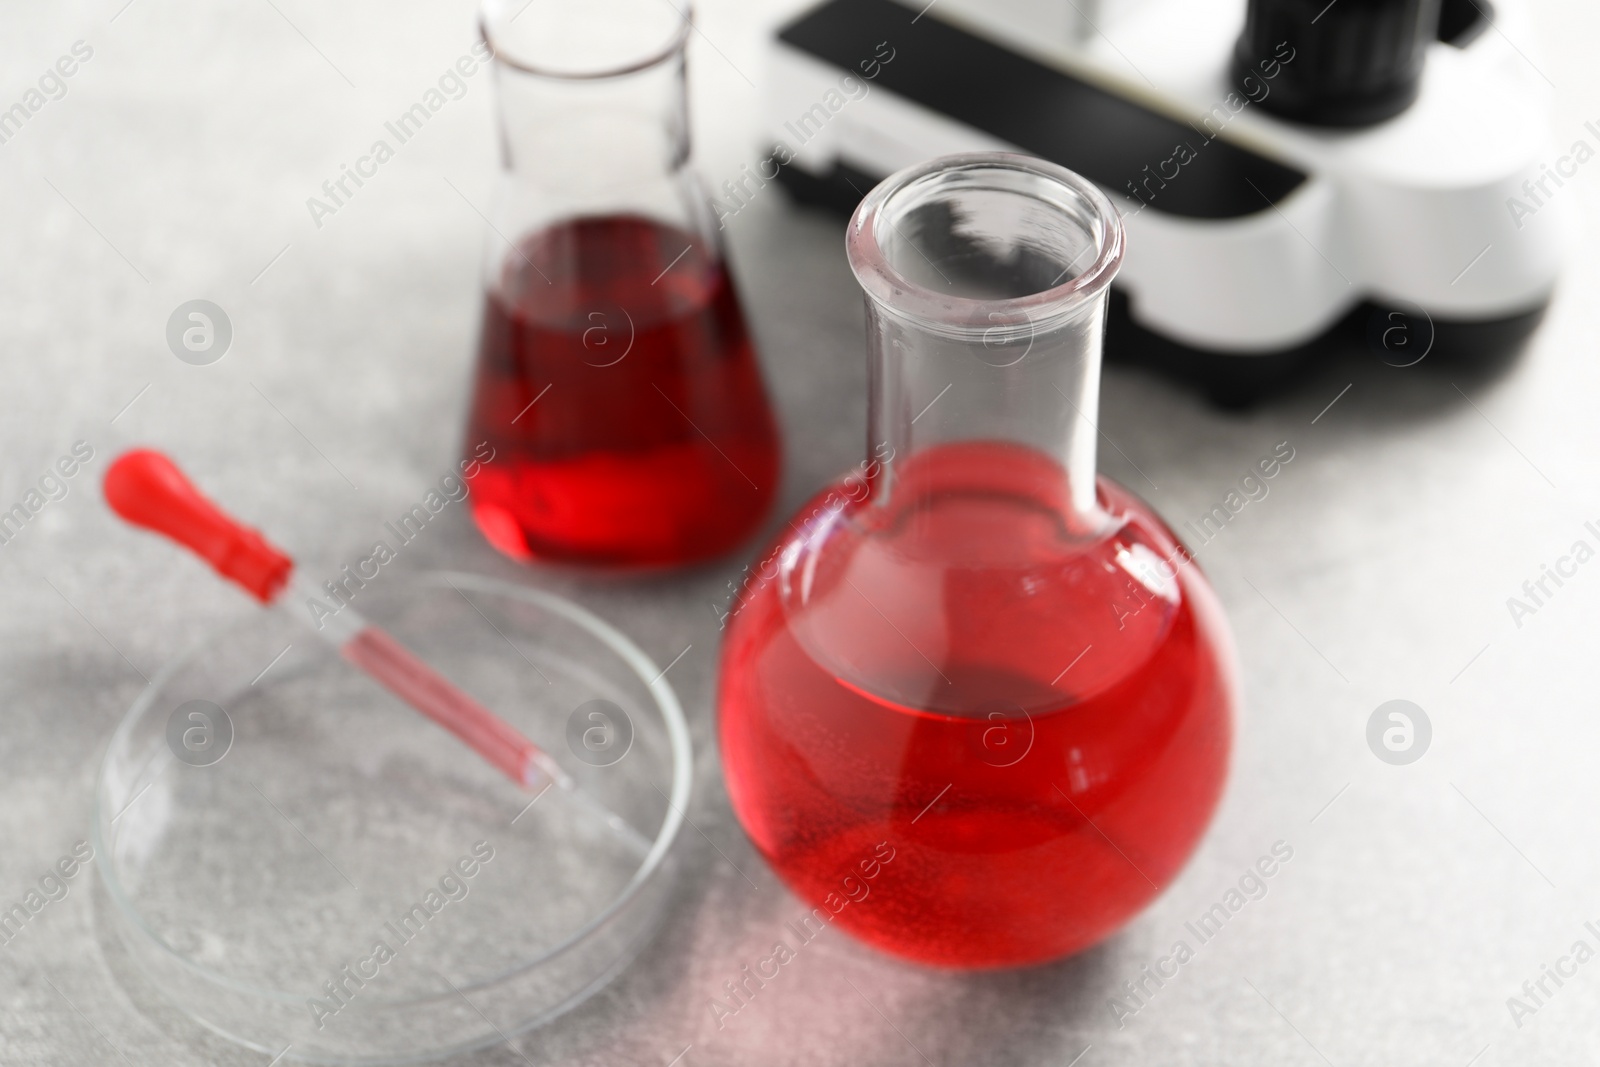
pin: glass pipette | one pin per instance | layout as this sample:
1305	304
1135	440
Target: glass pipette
147	489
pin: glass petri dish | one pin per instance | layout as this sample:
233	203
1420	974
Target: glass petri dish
314	870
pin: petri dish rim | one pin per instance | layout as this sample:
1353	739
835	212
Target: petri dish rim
682	773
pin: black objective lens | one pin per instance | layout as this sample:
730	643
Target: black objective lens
1340	63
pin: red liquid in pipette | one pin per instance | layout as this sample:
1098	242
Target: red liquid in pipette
1036	794
388	662
619	392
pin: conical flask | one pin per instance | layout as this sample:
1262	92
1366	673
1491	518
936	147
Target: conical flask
619	417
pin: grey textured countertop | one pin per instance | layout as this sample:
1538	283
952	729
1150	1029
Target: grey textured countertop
1418	898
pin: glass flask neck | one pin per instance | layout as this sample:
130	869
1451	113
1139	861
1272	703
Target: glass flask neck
592	109
986	278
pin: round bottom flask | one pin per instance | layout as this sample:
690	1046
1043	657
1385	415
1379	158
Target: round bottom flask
977	706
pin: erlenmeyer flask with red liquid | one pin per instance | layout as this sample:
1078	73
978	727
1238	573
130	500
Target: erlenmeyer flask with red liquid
982	711
618	399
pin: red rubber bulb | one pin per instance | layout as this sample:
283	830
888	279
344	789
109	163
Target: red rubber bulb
147	489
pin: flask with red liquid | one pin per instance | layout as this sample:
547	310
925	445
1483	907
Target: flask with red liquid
619	413
981	713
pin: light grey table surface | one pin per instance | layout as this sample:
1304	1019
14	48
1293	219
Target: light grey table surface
1418	899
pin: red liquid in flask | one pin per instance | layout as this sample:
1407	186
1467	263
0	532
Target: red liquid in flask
621	397
1038	726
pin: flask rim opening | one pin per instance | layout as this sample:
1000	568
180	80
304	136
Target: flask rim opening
1021	175
492	13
